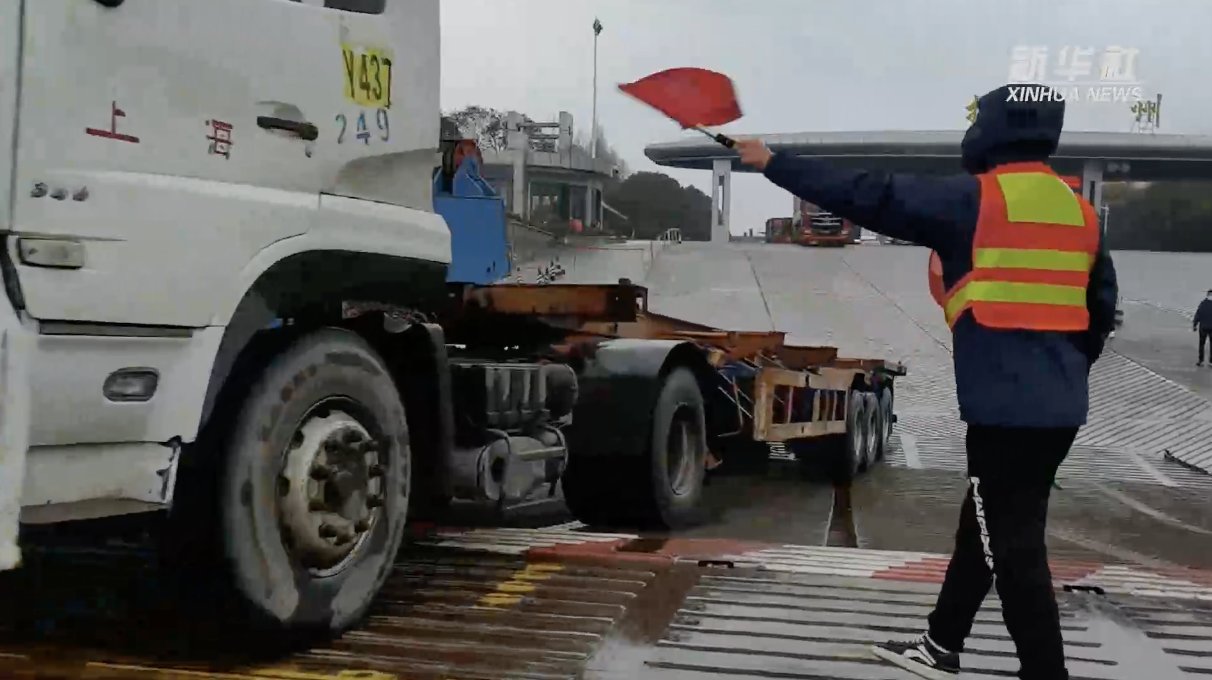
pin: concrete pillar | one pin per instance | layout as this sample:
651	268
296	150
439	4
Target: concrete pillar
517	144
521	184
564	143
721	199
1092	183
587	216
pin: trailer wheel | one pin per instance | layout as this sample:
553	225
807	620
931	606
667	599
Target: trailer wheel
312	493
850	454
884	421
871	427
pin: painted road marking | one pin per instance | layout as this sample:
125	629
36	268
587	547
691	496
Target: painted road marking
268	673
909	448
520	583
1149	468
824	560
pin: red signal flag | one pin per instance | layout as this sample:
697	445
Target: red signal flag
693	97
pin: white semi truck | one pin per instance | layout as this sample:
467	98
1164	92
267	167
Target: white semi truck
229	294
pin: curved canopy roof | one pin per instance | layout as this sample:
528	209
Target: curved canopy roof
1128	156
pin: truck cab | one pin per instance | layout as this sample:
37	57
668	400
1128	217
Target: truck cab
817	227
175	182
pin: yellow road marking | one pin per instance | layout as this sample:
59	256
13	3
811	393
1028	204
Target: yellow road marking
509	592
268	673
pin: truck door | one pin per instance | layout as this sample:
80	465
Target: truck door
10	50
163	144
14	402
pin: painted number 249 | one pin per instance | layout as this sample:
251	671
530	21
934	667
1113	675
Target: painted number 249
361	131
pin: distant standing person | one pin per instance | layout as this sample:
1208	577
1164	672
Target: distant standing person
1203	324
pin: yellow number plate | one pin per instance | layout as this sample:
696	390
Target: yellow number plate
367	76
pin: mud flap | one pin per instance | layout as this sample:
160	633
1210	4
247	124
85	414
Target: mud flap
14	431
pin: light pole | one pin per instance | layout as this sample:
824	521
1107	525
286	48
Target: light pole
590	218
593	140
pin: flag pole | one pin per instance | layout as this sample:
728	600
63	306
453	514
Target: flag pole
717	137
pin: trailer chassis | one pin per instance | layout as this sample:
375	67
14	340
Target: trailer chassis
753	390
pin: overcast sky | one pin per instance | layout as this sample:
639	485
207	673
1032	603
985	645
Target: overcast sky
809	65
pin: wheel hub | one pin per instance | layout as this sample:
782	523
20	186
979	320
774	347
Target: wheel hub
873	431
681	449
330	490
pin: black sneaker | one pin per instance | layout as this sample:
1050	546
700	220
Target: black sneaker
920	656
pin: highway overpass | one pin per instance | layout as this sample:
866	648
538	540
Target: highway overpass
1095	156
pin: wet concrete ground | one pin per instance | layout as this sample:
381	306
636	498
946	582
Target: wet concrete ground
788	578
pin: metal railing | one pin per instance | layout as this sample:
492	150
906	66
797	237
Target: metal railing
673	235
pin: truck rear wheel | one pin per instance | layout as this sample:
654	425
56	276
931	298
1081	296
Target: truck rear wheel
871	429
884	421
661	489
850	454
312	494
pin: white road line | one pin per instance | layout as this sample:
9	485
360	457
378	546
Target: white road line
1150	469
909	448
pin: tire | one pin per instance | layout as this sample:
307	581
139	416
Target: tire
871	424
885	420
663	489
849	453
295	460
677	454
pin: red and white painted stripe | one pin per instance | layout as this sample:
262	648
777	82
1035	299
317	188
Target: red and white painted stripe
512	541
573	540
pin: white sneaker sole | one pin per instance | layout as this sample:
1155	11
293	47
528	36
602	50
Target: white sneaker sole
912	666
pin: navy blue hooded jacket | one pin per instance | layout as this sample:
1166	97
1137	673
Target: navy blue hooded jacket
1003	377
1203	315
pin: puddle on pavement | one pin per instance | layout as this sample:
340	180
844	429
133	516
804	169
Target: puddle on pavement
625	650
842	532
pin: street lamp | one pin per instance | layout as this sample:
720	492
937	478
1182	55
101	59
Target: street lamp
593	140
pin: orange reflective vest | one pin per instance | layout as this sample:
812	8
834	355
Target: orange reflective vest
1032	253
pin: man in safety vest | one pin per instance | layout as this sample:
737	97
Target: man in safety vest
1028	289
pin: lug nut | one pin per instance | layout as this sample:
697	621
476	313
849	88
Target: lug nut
369	446
320	472
328	531
374	501
332	446
351	437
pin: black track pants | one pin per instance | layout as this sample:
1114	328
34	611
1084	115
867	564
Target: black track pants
1001	533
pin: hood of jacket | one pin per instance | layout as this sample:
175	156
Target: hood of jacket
1009	129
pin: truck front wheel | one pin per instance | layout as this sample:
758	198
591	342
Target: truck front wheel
312	495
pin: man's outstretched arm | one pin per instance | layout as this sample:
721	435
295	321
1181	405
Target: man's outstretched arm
922	209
